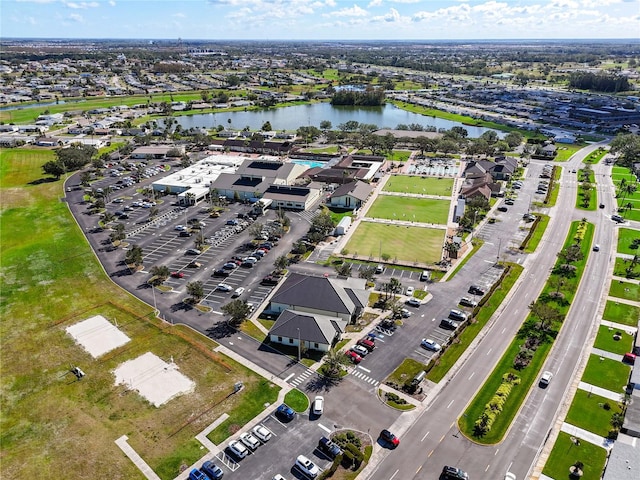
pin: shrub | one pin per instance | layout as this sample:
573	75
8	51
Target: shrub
492	409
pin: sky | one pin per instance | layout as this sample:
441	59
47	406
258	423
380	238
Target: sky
321	19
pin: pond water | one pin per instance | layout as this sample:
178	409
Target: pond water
291	118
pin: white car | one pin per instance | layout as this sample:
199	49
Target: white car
307	466
238	291
261	432
249	440
545	379
238	449
414	302
223	287
510	476
410	291
430	345
360	350
277	476
318	405
180	228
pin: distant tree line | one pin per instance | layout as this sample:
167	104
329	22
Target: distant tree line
369	98
599	82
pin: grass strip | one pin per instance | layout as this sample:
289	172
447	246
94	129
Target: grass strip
529	373
540	227
477	243
621	313
462	342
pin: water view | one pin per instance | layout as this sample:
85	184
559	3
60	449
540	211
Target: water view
290	118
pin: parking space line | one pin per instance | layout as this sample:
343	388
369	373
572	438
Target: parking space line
324	428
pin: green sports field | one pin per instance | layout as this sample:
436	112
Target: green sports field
419	185
409	244
423	210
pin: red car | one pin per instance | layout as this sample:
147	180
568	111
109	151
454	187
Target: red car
177	274
389	438
353	356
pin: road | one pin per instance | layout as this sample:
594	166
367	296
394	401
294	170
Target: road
434	440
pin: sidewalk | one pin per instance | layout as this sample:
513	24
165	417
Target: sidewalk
137	460
619	326
586	436
605	354
602	392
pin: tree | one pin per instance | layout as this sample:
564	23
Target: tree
627	147
545	313
617	420
266	127
367	273
323	223
159	274
256	229
237	310
195	291
118	233
452	249
153	212
134	256
334	361
344	269
513	139
85	178
54	168
281	262
571	254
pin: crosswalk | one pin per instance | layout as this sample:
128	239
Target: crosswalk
364	377
302	378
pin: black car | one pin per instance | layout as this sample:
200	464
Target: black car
184	233
448	324
270	281
221	272
329	448
453	473
475	290
212	471
502	209
285	412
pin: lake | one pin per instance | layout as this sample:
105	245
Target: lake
290	118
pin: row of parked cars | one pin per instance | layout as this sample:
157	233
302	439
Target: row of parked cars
361	349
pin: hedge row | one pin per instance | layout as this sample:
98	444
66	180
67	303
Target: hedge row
496	404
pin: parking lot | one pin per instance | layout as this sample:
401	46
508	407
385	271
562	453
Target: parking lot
278	455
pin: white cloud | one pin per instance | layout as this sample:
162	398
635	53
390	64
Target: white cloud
374	3
112	3
82	5
354	11
76	17
179	15
392	17
36	1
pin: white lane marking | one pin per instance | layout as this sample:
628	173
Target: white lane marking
324	428
451	403
394	474
425	436
472	374
365	369
489	351
289	377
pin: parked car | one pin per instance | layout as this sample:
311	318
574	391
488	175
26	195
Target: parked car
177	274
213	471
270	280
545	379
184	233
317	408
237	292
230	266
409	291
249	440
448	324
389	438
196	474
379	268
307	467
193	251
353	356
285	411
221	272
262	433
277	476
367	343
453	473
509	201
223	287
476	290
430	345
360	350
329	448
194	265
179	228
238	449
414	302
468	302
404	313
458	315
502	209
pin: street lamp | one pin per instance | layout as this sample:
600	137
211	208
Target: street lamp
298	344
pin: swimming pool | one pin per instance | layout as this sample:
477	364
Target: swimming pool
309	163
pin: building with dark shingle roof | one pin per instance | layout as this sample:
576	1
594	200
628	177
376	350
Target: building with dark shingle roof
310	330
350	195
333	297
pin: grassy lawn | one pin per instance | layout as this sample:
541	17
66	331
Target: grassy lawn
251	401
620	268
565	453
419	185
565	151
424	210
626	236
410	244
399	156
297	400
338	214
626	290
252	330
605	341
528	374
536	237
408	369
587	411
596	156
606	373
621	313
457	348
45	256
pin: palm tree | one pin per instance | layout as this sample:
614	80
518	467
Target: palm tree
334	360
617	420
159	274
